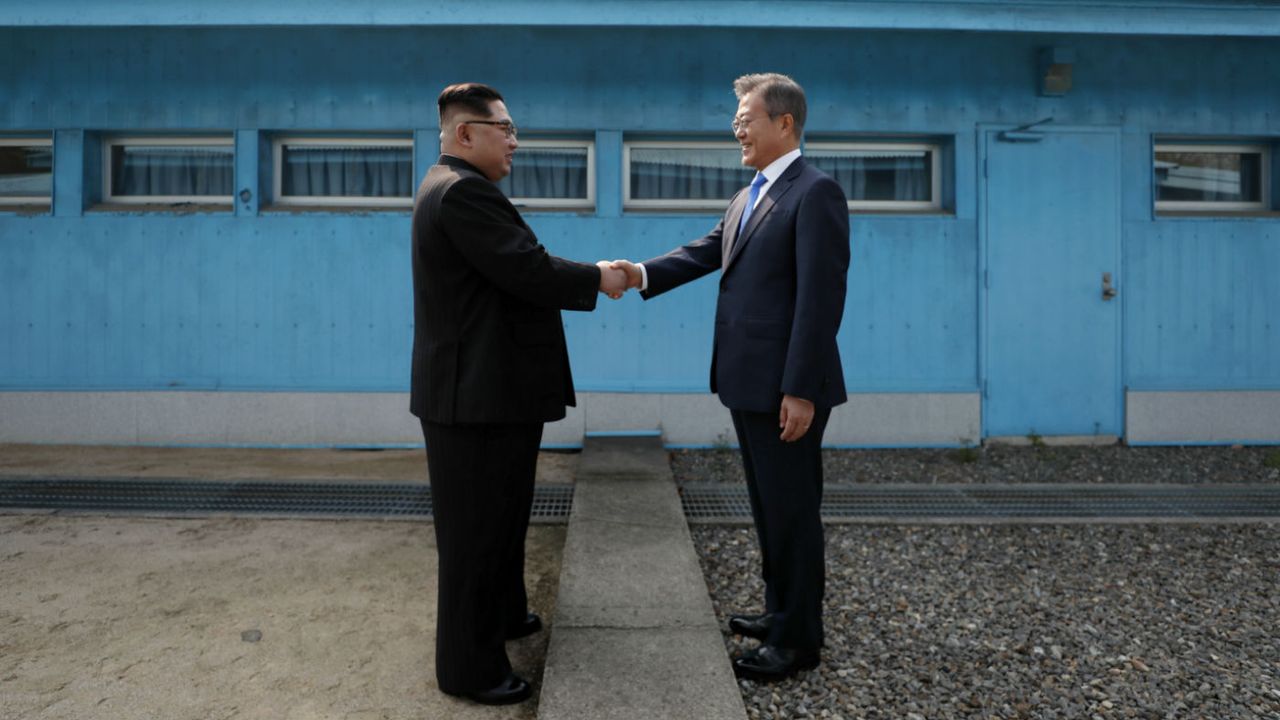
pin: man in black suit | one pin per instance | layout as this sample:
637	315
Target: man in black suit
490	366
783	249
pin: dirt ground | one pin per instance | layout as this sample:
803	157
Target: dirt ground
133	618
136	618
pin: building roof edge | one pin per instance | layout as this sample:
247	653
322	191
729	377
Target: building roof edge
1132	17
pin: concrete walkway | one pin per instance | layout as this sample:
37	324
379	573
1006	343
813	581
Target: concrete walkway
634	634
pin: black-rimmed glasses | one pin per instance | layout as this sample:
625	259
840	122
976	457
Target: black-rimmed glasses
507	126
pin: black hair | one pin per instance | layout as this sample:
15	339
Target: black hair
475	97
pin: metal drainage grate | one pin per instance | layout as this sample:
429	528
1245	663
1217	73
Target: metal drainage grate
551	503
729	503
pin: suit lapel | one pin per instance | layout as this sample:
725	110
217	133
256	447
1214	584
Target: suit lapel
763	207
731	221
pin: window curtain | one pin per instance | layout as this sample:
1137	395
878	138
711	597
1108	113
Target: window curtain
195	171
544	173
343	171
687	175
879	175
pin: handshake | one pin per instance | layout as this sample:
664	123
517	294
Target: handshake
617	277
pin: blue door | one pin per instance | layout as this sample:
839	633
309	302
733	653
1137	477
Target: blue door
1051	230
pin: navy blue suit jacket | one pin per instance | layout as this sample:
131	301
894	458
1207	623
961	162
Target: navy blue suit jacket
782	292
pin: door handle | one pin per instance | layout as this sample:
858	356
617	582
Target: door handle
1108	290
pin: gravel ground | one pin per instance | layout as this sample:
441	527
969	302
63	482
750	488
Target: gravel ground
1013	464
1027	621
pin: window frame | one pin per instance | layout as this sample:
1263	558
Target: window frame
588	203
112	141
11	201
932	205
278	198
1212	206
628	203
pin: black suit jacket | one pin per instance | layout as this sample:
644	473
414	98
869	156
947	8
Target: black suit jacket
488	343
782	292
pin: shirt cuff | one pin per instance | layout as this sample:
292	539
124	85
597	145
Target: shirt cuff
644	277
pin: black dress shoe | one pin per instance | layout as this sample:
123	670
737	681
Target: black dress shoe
769	663
752	626
532	624
509	692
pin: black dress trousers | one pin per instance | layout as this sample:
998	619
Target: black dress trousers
482	494
784	482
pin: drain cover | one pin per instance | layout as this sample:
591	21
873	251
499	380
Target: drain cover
707	502
551	503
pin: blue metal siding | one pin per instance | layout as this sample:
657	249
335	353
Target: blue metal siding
1203	304
667	81
1161	17
320	301
187	302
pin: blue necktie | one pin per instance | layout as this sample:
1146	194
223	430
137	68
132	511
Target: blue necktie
751	201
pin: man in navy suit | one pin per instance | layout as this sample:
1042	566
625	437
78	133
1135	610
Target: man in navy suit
783	249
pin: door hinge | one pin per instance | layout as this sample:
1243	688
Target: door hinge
984	167
986	279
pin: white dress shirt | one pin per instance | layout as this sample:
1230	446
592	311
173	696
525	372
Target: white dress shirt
772	172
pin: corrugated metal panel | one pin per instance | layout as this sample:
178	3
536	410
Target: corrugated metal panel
320	301
205	302
1160	17
1202	304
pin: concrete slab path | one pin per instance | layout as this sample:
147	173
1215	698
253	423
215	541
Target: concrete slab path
634	634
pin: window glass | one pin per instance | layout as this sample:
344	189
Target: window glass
546	173
26	172
666	175
1209	176
356	169
170	170
885	176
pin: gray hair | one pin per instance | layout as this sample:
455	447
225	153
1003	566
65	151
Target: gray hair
781	95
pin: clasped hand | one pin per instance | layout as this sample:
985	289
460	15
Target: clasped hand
617	277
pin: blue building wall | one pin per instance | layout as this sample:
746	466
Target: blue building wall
260	299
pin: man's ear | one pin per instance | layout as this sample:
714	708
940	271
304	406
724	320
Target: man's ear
789	124
462	134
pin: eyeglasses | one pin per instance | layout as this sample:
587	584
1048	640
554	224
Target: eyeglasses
739	123
507	126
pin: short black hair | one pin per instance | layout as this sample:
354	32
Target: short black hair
475	97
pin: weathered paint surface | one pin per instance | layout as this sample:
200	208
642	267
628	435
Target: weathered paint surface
1157	17
257	299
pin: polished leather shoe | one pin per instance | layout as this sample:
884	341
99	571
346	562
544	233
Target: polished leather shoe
532	624
511	690
770	663
752	626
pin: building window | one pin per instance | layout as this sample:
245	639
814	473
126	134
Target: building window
682	175
348	172
168	170
1211	177
26	171
882	175
552	174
